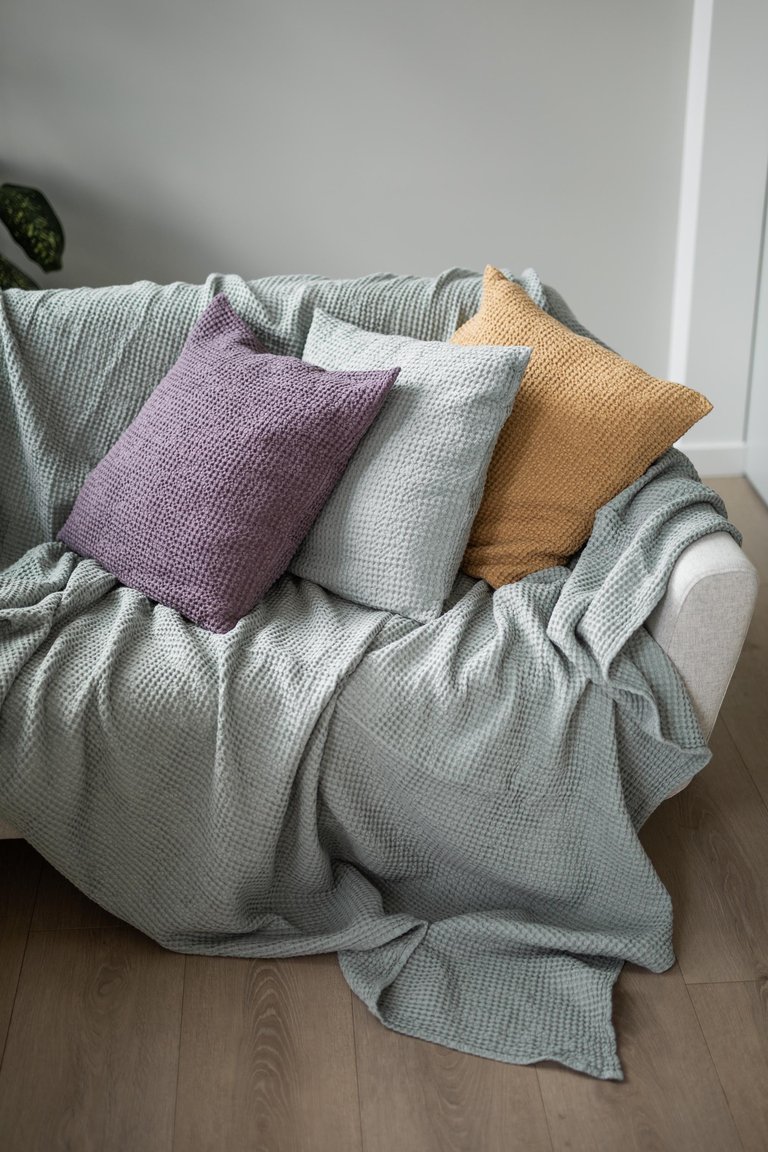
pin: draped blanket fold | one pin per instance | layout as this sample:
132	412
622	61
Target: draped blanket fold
453	806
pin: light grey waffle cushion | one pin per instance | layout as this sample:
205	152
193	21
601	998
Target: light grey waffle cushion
393	533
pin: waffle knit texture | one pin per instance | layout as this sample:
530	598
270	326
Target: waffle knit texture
453	806
205	497
77	364
393	533
586	424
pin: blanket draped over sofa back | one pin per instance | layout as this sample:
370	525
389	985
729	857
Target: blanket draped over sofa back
78	364
452	806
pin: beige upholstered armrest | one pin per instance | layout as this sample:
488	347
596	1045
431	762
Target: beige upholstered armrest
703	618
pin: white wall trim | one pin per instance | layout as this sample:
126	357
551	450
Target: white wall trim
725	459
690	187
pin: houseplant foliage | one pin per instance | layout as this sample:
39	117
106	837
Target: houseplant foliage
34	225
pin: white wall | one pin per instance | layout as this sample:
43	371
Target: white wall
177	137
756	461
732	191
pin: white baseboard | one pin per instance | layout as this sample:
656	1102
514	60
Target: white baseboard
724	459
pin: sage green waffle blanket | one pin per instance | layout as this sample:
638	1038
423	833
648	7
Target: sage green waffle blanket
452	806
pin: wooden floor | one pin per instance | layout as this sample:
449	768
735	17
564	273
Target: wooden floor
109	1043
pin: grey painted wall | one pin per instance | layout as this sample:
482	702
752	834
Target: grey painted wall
177	137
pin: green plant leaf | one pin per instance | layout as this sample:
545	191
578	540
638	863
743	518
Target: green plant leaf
13	277
33	223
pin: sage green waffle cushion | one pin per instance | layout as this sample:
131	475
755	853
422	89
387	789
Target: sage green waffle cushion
393	533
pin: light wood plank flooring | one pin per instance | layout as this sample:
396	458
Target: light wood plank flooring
110	1044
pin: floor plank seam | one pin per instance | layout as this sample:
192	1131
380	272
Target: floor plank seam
742	762
21	967
698	983
178	1054
544	1110
734	737
118	926
756	495
357	1069
713	1061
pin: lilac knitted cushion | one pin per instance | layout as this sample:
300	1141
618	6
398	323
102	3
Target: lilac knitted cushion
205	497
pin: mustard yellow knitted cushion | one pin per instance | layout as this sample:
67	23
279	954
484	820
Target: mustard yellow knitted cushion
585	424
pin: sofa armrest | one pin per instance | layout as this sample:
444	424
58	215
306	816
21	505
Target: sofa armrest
702	620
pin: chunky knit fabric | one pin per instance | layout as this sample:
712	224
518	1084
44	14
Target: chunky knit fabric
586	423
206	495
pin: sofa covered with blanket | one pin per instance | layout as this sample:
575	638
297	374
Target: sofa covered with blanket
405	747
